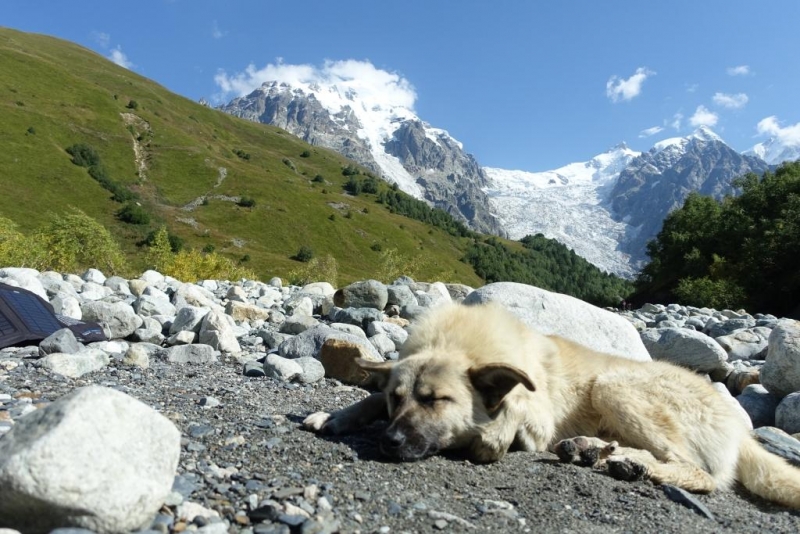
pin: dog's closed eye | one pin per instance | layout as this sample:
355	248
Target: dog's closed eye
430	400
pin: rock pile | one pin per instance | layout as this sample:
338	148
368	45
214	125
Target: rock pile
77	451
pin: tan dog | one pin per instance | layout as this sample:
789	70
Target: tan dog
476	378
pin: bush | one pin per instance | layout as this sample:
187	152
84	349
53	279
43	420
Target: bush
31	130
133	213
132	104
323	269
318	179
304	254
175	242
75	242
209	248
305	154
377	247
242	154
18	250
246	202
83	155
193	265
289	163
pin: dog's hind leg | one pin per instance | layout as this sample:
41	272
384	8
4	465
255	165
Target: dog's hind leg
350	419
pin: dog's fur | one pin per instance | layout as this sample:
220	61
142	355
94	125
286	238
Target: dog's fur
476	378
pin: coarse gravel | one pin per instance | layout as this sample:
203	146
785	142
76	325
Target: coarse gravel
243	450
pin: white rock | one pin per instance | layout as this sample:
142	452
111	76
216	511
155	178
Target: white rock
75	365
94	275
96	459
218	332
568	317
684	347
781	371
24	278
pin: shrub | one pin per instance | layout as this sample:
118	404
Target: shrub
133	213
305	154
132	104
175	242
242	154
17	249
289	163
209	248
159	251
318	179
323	269
304	254
193	265
377	247
31	130
83	155
246	202
75	242
332	217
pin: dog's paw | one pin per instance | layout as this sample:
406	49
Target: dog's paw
588	452
624	468
316	422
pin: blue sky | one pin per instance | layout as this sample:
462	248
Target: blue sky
523	84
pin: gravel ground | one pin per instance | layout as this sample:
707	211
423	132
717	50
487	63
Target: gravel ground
248	453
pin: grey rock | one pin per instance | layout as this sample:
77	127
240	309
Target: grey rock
729	326
60	341
118	285
787	414
382	343
350	329
94	275
458	292
358	316
75	365
414	311
188	318
150	332
553	313
309	343
313	371
194	353
683	347
138	355
67	305
299	305
272	339
297	324
276	282
236	293
364	294
396	333
685	498
216	331
779	442
759	404
401	295
147	305
254	368
117	319
286	369
95	459
781	371
744	344
184	337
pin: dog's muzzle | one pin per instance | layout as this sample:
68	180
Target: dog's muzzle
406	445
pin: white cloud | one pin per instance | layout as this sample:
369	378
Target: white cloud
730	101
790	135
216	33
676	121
703	117
741	70
618	89
373	86
118	57
650	131
692	87
103	39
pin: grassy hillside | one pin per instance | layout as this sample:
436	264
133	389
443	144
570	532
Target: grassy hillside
251	192
55	94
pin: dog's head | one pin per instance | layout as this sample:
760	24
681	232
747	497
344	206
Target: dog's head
437	402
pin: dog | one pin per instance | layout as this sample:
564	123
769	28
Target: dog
476	378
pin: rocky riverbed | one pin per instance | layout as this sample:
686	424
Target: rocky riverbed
246	465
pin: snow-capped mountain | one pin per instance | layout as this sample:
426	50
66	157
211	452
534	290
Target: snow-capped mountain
774	151
425	162
659	180
608	208
567	204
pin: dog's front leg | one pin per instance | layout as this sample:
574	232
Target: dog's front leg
348	419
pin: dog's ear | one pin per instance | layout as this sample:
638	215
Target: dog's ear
495	380
378	372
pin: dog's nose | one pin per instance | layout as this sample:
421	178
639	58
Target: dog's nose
393	438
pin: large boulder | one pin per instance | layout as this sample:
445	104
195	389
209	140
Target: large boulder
95	459
565	316
684	347
781	372
117	318
364	294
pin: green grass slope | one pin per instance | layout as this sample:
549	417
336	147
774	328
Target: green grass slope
54	94
190	166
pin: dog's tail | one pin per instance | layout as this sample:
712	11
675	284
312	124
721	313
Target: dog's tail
767	475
